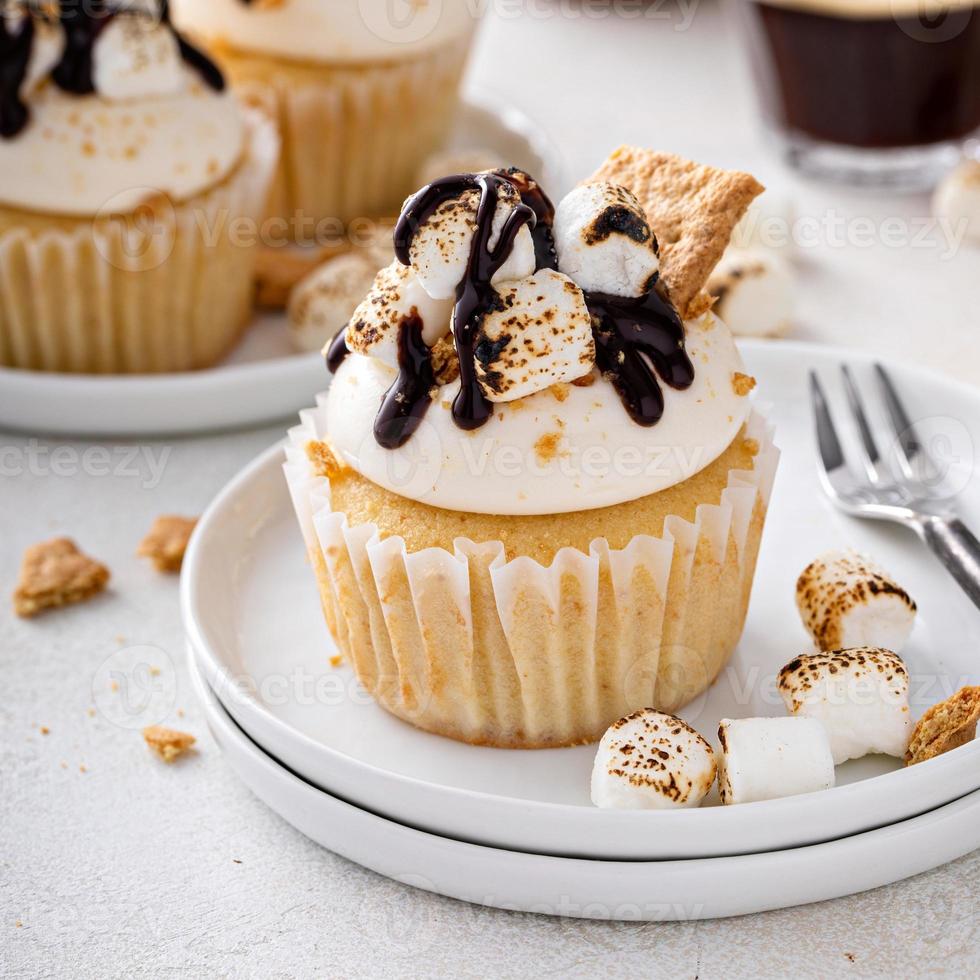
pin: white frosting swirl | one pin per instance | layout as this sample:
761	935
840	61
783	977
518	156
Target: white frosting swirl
566	449
329	30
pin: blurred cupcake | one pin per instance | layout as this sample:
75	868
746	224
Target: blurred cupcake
363	91
133	187
535	491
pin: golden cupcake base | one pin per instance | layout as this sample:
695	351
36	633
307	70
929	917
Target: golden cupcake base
555	626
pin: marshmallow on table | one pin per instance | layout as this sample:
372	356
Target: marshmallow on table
957	198
768	758
539	334
376	322
442	244
604	241
323	301
861	697
755	291
652	761
846	601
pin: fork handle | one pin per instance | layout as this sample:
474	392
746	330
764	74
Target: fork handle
955	545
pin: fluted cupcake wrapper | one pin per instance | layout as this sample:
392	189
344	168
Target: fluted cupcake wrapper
166	289
511	653
355	136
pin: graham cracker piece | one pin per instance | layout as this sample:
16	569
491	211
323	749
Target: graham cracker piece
945	726
166	542
55	573
168	743
692	209
278	270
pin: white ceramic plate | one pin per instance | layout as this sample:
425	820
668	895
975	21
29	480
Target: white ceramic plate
637	891
263	378
252	613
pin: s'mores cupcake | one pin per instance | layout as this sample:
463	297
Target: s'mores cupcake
363	91
132	188
535	490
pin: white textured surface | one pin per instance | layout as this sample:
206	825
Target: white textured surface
130	868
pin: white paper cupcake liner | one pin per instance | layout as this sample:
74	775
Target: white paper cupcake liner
511	653
124	295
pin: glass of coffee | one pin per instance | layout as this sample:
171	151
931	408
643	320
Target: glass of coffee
881	92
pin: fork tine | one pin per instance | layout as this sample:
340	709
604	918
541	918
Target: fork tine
907	442
871	456
831	454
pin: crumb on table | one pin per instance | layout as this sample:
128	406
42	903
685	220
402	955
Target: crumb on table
168	743
55	573
166	542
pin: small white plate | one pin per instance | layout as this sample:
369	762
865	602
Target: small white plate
264	378
253	616
635	891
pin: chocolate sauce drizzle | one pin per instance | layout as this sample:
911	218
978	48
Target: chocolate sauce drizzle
82	25
630	334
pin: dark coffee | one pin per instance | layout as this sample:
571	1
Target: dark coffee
876	77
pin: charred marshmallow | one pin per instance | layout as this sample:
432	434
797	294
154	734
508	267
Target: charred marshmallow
861	697
442	244
395	295
846	601
754	290
768	758
539	334
604	241
652	761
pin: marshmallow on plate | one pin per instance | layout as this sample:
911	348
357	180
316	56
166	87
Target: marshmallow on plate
861	697
539	334
957	199
652	761
604	241
441	246
768	758
395	294
846	601
323	301
755	290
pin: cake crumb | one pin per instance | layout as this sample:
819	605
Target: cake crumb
168	743
55	573
166	542
751	446
742	383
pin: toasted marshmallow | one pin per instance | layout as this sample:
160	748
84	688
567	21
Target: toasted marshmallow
395	294
768	758
136	57
322	302
755	291
847	601
652	761
540	335
604	241
957	199
441	246
767	225
861	697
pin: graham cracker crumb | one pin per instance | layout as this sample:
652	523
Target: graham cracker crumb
751	446
325	461
742	383
55	573
559	391
586	381
167	541
44	730
699	305
945	726
336	660
168	743
692	209
546	448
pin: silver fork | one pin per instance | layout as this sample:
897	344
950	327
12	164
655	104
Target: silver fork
878	492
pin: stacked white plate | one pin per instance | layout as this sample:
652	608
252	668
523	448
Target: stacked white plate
515	829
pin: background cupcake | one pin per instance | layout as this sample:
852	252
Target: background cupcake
363	91
133	187
549	516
